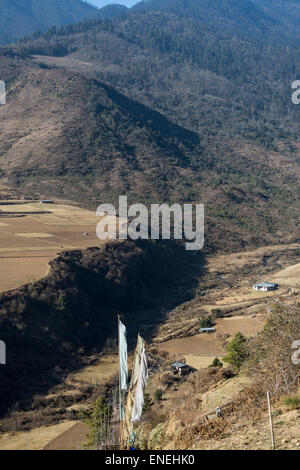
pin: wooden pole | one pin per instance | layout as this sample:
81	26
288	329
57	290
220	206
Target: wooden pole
120	393
271	420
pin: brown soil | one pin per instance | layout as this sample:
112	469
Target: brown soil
72	439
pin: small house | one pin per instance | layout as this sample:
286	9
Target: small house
207	330
266	286
181	368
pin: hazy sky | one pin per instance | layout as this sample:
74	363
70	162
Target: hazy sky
102	3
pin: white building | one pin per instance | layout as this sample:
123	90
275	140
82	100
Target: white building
265	286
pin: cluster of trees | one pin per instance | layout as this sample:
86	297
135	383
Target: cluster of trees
102	420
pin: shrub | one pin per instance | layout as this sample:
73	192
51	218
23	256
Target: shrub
206	322
218	313
147	402
141	437
292	402
216	363
157	437
158	395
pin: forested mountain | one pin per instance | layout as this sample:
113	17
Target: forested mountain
171	101
210	82
241	17
21	17
263	19
285	12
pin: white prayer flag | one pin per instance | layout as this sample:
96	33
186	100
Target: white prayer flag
140	390
137	362
123	356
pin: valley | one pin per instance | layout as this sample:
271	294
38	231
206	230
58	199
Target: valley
175	338
170	101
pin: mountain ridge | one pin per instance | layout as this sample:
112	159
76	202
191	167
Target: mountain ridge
97	128
23	17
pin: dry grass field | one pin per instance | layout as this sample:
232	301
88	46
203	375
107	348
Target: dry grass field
101	371
238	260
197	345
224	393
289	276
200	362
31	234
35	439
209	344
257	437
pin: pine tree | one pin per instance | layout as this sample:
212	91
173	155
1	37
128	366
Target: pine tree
236	351
99	421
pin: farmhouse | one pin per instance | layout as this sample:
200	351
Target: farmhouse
181	368
207	330
265	286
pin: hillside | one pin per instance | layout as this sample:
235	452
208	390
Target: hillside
64	351
243	17
211	81
284	12
274	20
81	133
23	17
172	101
51	325
157	105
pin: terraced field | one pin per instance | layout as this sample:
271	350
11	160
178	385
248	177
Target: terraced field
32	233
